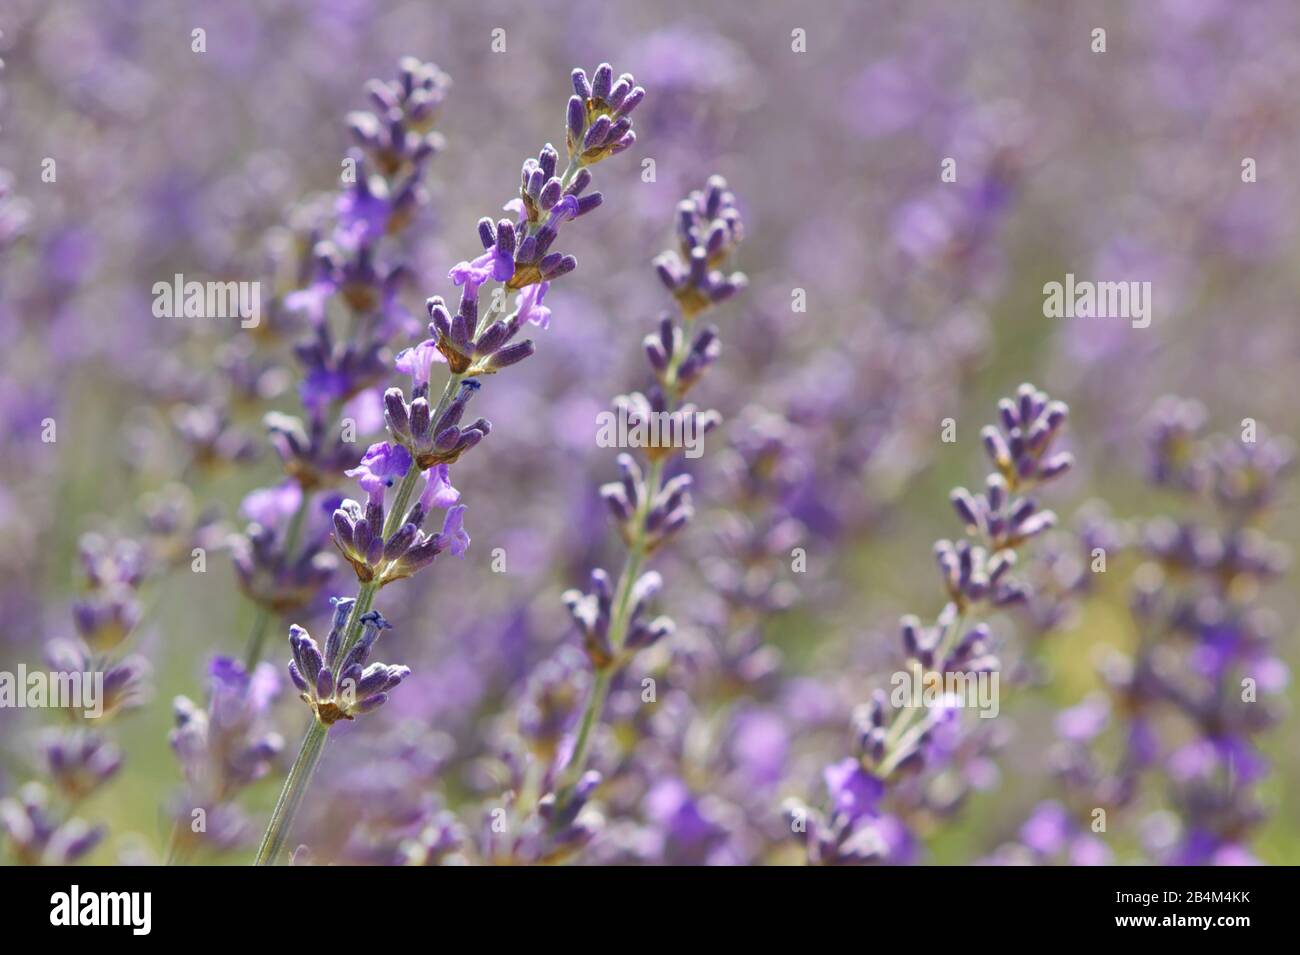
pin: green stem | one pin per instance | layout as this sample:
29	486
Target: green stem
595	703
313	744
637	551
401	501
295	524
174	845
352	633
257	638
618	624
291	797
448	393
570	171
897	739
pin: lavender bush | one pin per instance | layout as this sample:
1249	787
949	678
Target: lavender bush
426	437
900	738
1202	684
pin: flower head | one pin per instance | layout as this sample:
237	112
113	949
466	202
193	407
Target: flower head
273	506
337	684
37	836
598	118
709	228
434	442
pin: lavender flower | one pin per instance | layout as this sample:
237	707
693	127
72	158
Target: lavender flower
357	267
358	529
269	571
107	614
709	229
383	541
598	114
312	458
877	292
337	685
1206	648
79	762
37	838
126	680
434	443
892	744
222	748
613	617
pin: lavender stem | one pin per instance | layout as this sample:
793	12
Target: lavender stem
257	637
295	790
595	703
313	744
617	629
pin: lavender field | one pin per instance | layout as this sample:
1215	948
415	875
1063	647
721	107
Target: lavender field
609	433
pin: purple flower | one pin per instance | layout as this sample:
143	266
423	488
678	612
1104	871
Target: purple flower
419	360
891	742
79	762
364	210
689	830
438	491
1048	829
359	535
430	433
233	687
381	467
273	506
37	837
311	300
489	266
1085	721
530	307
1089	850
854	792
440	440
337	683
599	114
760	744
709	228
226	746
223	748
453	531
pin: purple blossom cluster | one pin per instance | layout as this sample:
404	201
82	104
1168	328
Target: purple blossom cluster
76	760
426	437
543	764
1194	698
353	277
897	742
223	748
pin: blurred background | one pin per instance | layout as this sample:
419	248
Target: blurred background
881	302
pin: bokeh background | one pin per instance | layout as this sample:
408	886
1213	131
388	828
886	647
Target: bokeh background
923	302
